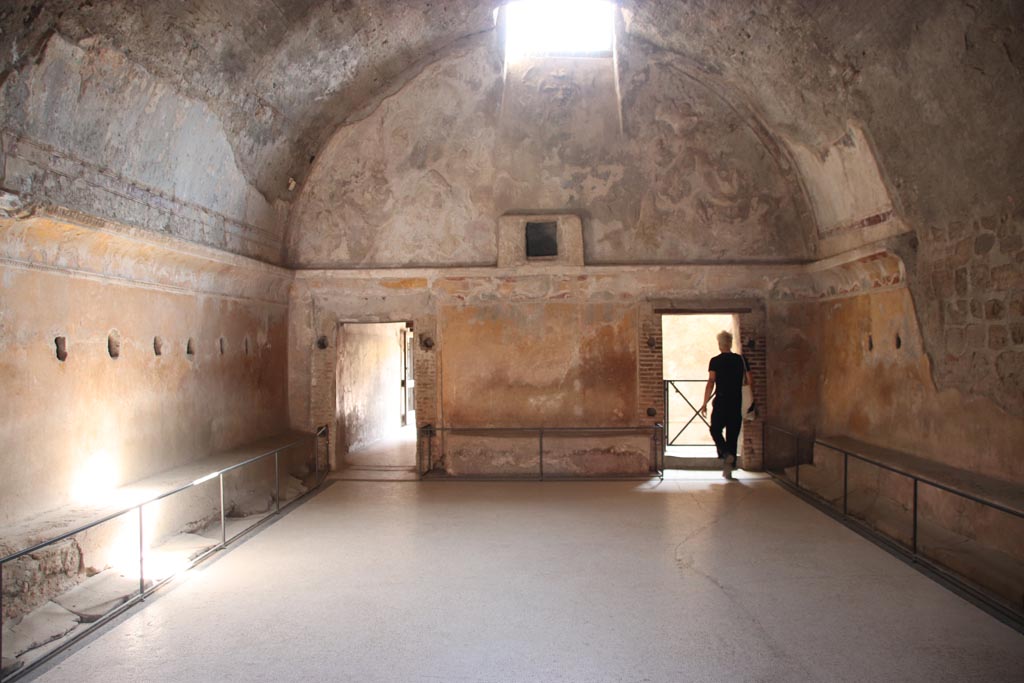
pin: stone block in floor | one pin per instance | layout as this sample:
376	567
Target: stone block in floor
37	628
98	594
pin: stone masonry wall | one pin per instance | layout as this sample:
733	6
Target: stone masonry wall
969	290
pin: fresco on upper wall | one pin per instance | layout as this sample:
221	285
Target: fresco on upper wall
674	174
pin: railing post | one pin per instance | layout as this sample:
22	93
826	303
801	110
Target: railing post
277	476
664	442
914	536
846	478
798	455
1	606
322	472
659	437
764	447
142	556
540	441
316	455
223	517
653	446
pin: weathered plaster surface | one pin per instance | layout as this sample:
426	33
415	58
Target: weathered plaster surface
543	364
835	364
847	192
423	179
512	242
483	375
279	77
72	429
87	129
918	99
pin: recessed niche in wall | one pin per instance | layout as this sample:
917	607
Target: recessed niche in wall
899	342
871	343
245	345
190	348
541	239
221	345
114	344
62	348
321	342
537	240
158	346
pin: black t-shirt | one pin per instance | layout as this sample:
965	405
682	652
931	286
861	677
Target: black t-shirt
729	369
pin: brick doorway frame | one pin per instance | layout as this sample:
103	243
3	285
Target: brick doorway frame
752	320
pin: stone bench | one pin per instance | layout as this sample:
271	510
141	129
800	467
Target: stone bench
51	593
977	539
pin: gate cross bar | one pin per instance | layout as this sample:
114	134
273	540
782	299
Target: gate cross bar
696	412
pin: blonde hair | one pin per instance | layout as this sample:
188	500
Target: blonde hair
724	340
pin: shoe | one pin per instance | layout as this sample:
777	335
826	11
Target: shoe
727	466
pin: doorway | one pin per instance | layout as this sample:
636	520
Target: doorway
689	344
375	405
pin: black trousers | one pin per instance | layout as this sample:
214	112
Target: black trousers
730	421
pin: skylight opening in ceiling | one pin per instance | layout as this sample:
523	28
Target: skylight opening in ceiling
559	28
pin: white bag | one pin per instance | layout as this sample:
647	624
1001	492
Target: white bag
749	411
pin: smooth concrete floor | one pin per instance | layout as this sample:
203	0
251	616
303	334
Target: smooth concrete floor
692	579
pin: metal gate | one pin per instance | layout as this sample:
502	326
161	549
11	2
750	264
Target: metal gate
684	425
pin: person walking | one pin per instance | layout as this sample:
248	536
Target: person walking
726	374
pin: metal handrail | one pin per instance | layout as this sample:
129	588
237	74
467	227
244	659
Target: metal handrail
166	494
1011	615
656	431
796	437
924	479
916	479
321	432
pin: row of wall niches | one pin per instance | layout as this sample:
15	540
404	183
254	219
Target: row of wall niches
160	347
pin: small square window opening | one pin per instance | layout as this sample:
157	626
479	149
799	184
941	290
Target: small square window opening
541	239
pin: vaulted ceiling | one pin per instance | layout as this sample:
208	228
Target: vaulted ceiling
934	83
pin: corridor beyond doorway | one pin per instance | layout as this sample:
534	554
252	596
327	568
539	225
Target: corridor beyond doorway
375	402
689	344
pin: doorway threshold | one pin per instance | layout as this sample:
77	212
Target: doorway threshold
675	462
